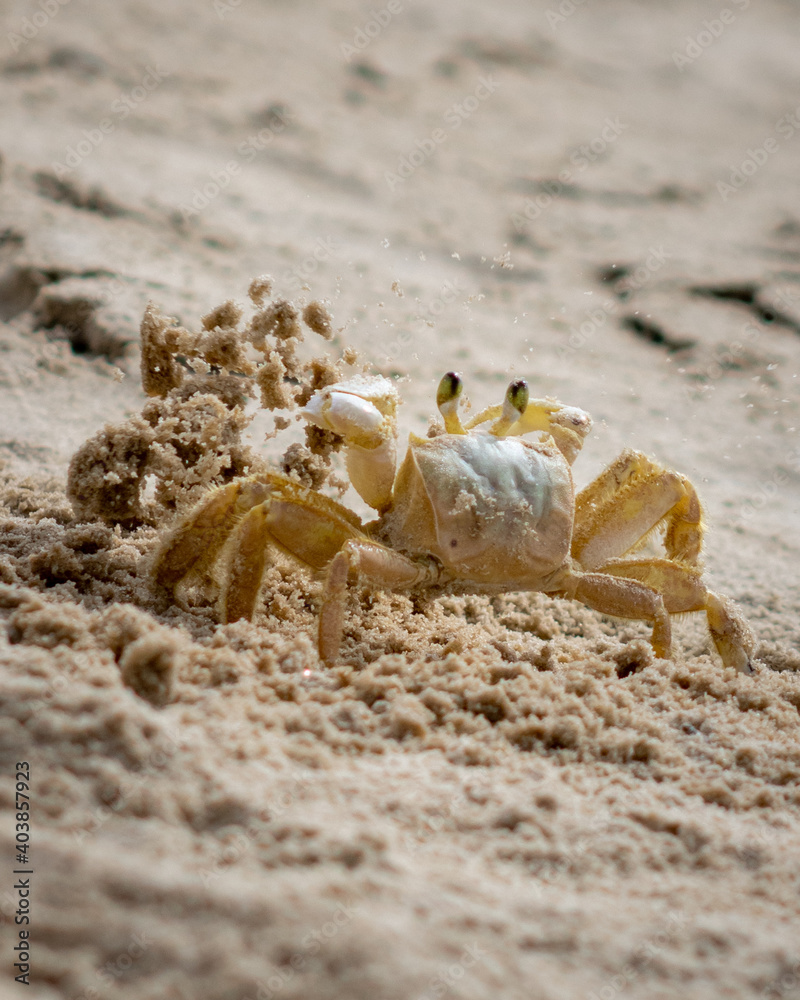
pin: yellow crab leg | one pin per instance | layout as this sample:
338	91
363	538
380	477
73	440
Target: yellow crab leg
194	545
249	548
247	518
312	529
382	567
622	598
626	501
682	590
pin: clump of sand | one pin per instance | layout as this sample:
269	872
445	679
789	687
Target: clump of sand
188	437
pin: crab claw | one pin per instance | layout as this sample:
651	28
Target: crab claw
568	427
362	410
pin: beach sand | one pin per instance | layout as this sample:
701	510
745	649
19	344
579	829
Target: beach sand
489	797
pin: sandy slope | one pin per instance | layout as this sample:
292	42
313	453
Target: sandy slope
490	798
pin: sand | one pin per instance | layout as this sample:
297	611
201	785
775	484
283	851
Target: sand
502	796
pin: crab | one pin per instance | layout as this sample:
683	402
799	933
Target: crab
473	509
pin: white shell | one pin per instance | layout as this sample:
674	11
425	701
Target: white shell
502	507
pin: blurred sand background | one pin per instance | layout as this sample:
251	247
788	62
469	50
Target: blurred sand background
491	798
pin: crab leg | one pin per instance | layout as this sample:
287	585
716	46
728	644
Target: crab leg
626	502
312	531
731	632
681	587
384	568
620	508
682	590
195	544
250	542
623	598
238	524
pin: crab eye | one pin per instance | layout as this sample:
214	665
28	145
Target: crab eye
517	396
449	389
447	396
